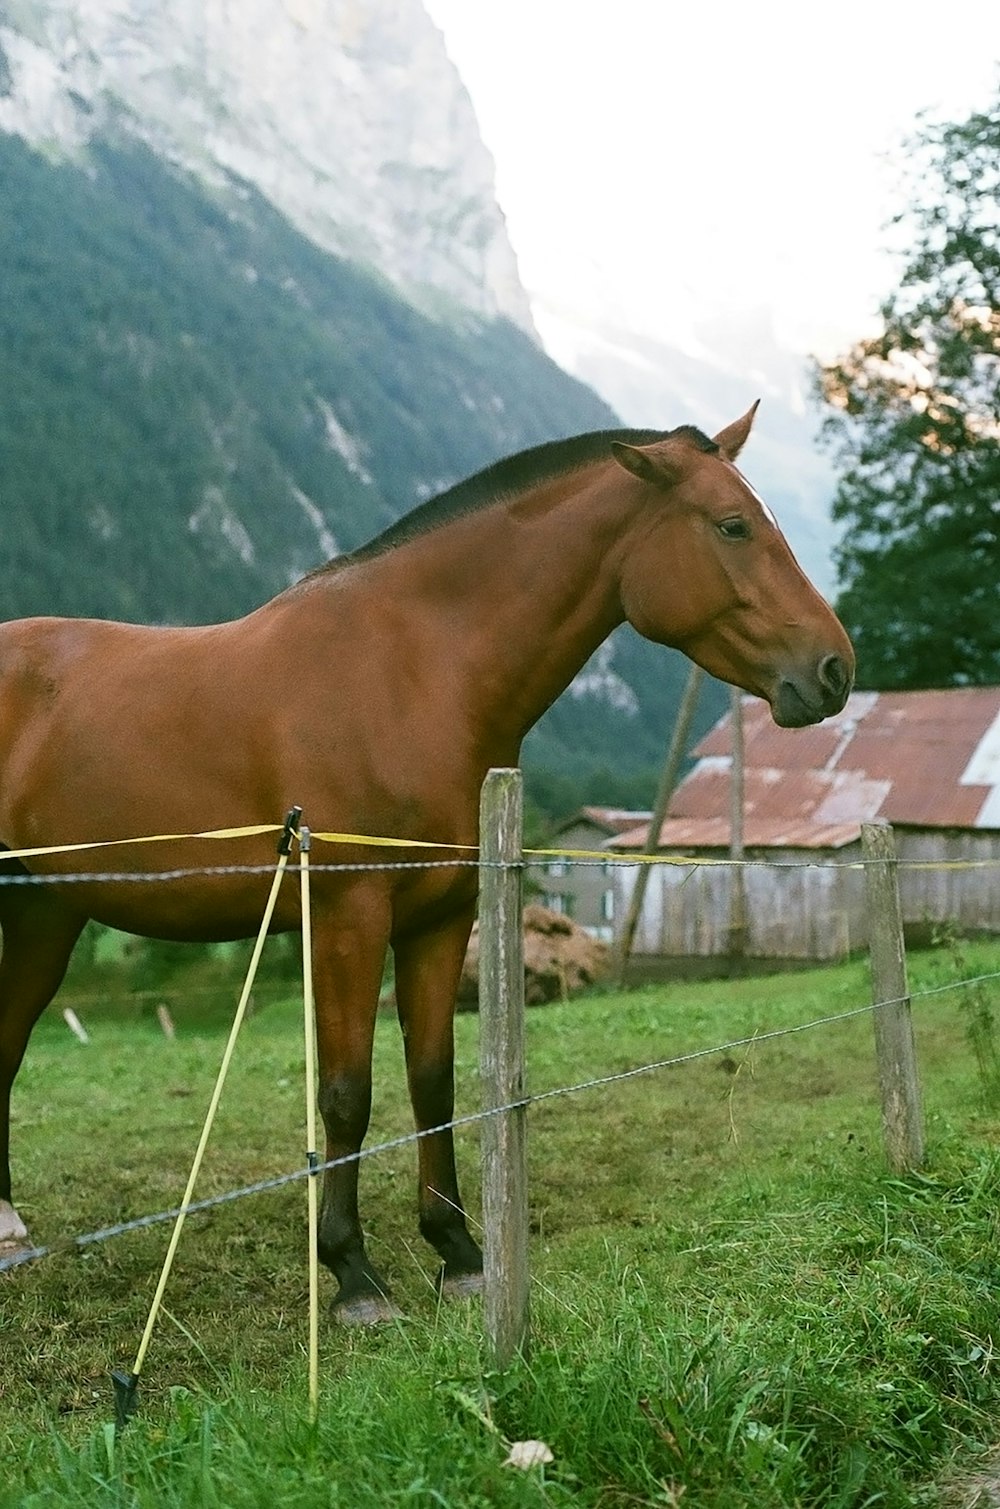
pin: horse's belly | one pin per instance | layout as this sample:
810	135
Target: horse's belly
186	909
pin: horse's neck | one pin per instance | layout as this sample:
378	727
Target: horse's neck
527	596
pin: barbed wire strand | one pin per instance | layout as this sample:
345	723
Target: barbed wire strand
532	859
278	1181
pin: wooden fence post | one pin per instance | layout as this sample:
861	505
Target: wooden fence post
737	942
501	1064
902	1118
665	790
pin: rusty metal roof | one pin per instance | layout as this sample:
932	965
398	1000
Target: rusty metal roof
923	759
611	819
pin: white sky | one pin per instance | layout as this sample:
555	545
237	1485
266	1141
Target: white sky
656	158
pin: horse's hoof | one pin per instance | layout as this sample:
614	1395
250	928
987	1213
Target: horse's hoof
366	1310
14	1238
462	1285
17	1250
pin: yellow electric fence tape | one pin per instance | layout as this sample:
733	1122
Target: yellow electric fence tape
151	838
604	856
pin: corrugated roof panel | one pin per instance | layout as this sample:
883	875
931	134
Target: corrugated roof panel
616	819
928	759
764	743
922	743
852	797
713	833
983	770
611	819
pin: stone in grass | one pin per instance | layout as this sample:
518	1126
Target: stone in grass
525	1454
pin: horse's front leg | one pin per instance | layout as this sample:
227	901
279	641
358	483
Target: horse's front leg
349	946
38	938
428	967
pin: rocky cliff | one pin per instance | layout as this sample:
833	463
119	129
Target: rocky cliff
346	114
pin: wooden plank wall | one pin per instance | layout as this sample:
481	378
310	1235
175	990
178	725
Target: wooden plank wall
808	904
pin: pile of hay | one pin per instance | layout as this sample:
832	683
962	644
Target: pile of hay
559	959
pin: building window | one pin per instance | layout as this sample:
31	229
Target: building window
563	902
556	867
608	906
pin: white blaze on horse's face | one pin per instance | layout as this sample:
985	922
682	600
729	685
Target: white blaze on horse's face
767	511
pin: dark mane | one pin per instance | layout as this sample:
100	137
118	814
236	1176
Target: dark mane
699	440
512	475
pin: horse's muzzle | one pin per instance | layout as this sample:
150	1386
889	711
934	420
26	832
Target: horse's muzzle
801	700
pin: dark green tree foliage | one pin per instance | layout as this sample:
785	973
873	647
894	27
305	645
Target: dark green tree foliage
916	429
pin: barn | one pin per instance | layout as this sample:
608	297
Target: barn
927	762
584	893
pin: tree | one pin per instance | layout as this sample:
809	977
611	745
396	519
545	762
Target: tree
915	428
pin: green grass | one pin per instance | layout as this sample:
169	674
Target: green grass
733	1303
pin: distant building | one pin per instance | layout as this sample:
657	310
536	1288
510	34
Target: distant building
927	762
584	892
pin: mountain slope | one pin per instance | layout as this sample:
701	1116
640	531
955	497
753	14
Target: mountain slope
200	405
258	300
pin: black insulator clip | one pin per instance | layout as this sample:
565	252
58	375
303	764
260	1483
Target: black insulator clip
289	831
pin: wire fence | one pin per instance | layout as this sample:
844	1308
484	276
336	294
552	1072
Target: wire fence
501	863
292	1176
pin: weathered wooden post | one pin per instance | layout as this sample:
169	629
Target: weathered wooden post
737	944
668	780
902	1117
501	1064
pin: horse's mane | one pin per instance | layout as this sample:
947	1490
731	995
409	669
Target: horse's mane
511	475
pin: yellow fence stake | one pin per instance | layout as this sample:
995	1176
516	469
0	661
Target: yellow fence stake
126	1385
312	1155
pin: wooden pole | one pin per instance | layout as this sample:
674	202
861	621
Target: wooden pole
668	780
902	1118
312	1153
501	1060
126	1385
737	883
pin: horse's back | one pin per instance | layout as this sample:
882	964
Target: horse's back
57	672
101	718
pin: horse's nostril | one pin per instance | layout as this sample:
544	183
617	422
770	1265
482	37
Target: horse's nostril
833	674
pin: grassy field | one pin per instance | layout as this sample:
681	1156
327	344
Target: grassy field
733	1303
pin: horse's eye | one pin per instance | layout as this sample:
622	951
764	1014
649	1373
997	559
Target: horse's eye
735	529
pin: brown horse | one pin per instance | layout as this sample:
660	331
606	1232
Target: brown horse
376	693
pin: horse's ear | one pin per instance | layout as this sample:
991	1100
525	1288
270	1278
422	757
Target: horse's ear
733	438
648	464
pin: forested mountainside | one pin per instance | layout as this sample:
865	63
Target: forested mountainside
199	405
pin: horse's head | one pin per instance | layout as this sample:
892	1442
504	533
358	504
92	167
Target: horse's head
707	570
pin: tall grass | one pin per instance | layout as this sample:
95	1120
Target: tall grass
733	1303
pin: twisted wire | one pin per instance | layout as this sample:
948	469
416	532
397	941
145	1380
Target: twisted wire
278	1181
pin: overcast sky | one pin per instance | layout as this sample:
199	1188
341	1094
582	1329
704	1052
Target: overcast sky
657	159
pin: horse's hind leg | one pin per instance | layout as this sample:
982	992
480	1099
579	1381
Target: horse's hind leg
38	938
428	969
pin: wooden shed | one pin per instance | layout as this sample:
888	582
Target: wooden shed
927	762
